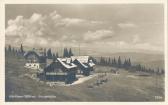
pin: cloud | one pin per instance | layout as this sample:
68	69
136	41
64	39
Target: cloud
73	21
126	46
127	25
14	26
148	46
98	35
55	30
77	22
42	29
136	39
55	16
35	17
19	19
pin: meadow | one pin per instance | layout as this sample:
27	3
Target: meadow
123	87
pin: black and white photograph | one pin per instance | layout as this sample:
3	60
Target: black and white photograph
85	52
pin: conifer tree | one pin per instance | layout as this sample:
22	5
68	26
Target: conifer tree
57	56
158	71
65	53
70	53
9	48
129	62
21	49
49	54
119	62
162	71
109	61
115	63
54	57
45	52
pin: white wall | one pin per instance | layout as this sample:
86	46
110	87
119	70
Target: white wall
32	65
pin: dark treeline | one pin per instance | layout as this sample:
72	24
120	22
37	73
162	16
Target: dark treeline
104	61
126	64
140	67
47	53
67	53
114	62
14	51
51	55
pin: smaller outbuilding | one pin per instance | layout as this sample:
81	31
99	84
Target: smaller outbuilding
35	59
84	63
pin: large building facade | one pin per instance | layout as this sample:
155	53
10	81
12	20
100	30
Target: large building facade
61	69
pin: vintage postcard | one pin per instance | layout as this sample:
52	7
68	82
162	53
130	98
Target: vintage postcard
85	52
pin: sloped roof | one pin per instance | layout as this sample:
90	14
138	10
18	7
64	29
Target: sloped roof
91	64
82	59
39	54
31	52
82	64
63	63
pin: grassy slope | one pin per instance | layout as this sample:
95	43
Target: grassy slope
118	88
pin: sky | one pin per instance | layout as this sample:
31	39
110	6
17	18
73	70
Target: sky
96	27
